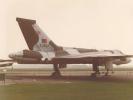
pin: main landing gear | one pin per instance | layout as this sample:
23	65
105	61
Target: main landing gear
108	67
96	70
56	72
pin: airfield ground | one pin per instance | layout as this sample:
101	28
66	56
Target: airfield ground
75	84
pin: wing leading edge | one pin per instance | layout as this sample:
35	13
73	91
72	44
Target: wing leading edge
89	55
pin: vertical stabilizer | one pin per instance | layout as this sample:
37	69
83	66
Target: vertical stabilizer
35	38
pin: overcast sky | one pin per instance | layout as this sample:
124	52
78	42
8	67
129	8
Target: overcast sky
99	24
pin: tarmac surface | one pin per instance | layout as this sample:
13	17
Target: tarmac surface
68	76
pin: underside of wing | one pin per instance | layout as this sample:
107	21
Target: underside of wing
89	57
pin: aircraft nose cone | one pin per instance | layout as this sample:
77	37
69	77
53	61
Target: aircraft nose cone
125	61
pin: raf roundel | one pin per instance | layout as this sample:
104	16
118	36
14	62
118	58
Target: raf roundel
44	40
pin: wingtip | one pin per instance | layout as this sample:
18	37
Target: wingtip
18	19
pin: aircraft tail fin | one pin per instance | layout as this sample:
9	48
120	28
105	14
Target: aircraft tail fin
35	38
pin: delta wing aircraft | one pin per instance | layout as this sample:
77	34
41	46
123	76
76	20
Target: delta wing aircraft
42	50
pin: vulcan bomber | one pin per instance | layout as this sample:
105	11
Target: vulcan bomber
42	50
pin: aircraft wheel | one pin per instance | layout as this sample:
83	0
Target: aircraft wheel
56	74
95	74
